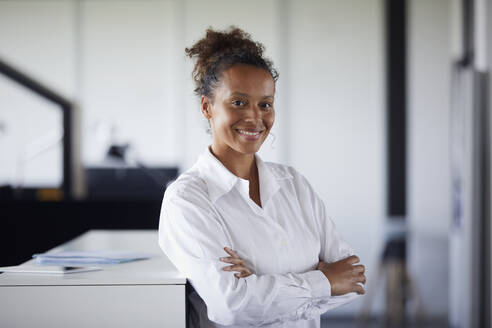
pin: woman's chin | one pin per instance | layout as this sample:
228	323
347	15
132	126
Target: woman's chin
249	148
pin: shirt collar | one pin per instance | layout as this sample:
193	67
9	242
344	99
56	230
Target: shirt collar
220	180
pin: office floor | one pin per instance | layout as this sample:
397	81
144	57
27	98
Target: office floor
351	323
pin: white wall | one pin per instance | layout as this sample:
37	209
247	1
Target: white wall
37	37
337	121
129	64
124	62
429	189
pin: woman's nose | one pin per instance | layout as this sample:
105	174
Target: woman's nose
254	112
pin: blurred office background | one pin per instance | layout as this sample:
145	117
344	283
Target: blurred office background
122	65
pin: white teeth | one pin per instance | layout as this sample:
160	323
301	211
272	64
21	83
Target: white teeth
249	133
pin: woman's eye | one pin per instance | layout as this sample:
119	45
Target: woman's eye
266	105
238	103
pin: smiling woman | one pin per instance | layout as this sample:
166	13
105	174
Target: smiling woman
241	111
263	219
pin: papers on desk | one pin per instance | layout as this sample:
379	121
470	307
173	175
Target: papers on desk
89	257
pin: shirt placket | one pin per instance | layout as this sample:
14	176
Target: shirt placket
262	212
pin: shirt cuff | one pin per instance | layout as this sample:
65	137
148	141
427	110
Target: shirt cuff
320	285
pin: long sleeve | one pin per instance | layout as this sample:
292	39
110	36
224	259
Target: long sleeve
333	246
193	238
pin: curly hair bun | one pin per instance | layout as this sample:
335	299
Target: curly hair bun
219	50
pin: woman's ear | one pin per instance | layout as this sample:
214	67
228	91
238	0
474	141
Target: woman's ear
206	107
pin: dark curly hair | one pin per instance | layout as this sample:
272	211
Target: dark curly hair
218	51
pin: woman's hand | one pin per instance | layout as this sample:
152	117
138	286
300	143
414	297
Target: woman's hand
344	276
238	264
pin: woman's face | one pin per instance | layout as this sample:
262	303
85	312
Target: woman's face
241	114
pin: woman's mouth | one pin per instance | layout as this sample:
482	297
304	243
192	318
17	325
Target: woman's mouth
250	134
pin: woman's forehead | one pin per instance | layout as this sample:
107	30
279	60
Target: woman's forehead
247	80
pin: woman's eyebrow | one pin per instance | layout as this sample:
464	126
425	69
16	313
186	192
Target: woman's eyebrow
242	94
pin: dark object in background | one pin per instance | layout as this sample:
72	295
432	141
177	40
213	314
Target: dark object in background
6	192
118	151
127	183
118	198
29	226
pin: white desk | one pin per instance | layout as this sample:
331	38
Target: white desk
148	293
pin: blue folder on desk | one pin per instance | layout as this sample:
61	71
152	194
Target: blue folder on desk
90	257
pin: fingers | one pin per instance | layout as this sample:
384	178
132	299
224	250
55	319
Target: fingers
232	260
237	264
242	275
231	252
243	270
359	271
235	267
352	259
361	278
359	289
359	268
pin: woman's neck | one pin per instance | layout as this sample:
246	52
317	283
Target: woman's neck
241	165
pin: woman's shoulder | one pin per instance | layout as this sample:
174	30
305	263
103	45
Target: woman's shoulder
283	171
188	185
296	179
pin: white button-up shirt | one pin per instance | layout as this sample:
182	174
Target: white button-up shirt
208	208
